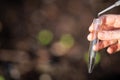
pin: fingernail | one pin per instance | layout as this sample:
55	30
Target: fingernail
89	37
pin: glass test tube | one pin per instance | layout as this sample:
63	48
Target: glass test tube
92	53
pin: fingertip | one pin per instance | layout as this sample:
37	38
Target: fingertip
95	48
91	28
110	51
89	37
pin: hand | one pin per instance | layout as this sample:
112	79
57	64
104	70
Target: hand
108	33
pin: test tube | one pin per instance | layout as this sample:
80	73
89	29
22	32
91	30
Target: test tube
92	53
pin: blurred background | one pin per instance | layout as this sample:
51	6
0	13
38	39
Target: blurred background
47	40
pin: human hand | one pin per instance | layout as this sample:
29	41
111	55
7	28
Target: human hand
108	33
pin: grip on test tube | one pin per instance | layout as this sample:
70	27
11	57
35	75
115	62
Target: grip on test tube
92	53
96	24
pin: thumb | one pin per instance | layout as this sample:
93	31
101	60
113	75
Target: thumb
109	35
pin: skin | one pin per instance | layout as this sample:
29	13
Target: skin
108	33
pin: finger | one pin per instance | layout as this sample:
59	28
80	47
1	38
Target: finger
114	48
108	22
103	44
109	35
91	37
91	28
111	20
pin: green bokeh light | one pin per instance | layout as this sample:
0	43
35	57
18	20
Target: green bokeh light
2	78
45	37
98	58
67	40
